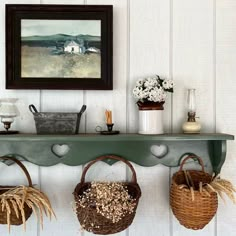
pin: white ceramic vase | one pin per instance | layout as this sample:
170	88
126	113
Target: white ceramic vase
151	122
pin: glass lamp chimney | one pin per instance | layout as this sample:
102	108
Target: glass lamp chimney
191	101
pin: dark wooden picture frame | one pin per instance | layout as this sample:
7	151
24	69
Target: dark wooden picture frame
16	14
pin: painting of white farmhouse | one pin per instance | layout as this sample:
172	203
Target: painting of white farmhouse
61	48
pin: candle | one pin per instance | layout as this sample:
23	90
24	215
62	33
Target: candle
108	117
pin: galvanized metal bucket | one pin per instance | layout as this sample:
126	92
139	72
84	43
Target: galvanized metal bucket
56	122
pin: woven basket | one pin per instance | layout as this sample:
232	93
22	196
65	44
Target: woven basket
193	214
89	216
28	211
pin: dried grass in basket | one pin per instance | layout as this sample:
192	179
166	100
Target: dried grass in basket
192	206
95	222
14	218
18	202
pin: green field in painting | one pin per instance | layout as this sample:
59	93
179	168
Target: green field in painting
39	62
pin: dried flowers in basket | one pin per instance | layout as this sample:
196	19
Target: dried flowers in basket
18	202
106	207
193	195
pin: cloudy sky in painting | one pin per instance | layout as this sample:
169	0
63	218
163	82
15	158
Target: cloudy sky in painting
50	27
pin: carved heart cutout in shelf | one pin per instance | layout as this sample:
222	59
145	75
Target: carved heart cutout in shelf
60	150
159	151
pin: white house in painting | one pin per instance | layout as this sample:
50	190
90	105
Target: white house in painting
73	47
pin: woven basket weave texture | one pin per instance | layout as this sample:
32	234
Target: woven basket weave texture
193	214
89	216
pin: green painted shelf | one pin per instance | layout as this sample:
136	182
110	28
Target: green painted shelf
144	150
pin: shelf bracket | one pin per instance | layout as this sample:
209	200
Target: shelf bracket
217	152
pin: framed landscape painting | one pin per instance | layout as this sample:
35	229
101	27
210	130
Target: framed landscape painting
59	47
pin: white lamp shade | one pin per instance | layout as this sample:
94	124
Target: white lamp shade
8	108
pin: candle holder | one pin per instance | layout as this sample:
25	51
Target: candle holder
191	126
109	130
109	127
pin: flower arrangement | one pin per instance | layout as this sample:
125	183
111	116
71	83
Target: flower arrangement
106	207
152	89
111	200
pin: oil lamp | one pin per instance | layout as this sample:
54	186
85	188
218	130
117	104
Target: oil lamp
191	125
8	111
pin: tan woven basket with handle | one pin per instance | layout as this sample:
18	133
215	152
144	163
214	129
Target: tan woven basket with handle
3	213
89	216
192	213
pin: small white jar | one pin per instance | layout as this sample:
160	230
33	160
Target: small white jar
151	122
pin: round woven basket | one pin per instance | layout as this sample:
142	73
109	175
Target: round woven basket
192	213
89	216
28	211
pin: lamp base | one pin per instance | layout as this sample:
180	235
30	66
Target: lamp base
5	132
191	127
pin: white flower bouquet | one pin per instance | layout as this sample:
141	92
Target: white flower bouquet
152	89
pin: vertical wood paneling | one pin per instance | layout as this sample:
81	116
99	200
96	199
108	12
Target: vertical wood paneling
152	216
225	97
13	176
101	171
59	183
115	100
193	60
149	55
149	50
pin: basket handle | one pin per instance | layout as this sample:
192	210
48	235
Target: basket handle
192	157
21	166
134	177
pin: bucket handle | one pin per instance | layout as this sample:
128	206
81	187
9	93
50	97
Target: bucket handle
83	108
33	109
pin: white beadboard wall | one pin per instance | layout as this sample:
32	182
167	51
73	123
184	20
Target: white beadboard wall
193	42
